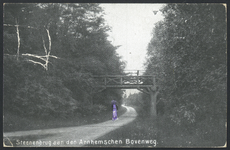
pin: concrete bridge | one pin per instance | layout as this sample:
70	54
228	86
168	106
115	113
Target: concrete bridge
143	83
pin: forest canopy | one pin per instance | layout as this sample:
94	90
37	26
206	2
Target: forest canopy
51	52
188	56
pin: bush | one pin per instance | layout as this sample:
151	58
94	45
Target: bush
91	109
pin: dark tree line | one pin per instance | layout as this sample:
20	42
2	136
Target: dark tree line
187	54
51	52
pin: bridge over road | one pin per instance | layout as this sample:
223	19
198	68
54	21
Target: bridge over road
143	83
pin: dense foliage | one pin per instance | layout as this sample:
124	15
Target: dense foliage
187	54
49	71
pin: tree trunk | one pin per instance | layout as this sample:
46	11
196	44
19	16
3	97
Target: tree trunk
18	38
153	103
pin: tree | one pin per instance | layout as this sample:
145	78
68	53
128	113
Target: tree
61	47
187	54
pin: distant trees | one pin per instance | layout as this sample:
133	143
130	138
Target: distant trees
187	54
133	100
51	52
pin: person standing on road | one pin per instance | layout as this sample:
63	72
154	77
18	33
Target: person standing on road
114	108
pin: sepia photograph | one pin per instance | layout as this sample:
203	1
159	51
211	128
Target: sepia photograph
125	75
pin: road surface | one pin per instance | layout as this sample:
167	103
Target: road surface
68	136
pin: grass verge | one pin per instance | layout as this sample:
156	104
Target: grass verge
165	134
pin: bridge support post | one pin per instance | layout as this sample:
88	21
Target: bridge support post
153	98
153	103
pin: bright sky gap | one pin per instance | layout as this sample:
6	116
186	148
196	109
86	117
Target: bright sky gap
131	28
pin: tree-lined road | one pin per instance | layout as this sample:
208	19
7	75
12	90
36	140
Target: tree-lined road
70	136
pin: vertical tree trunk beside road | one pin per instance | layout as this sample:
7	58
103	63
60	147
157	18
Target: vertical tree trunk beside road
153	103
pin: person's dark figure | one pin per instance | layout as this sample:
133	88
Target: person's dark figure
114	109
116	106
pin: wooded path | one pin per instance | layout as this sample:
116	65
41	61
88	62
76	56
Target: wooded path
68	136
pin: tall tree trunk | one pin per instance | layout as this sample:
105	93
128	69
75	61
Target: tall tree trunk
18	38
153	103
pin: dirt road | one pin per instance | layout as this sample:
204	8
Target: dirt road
68	136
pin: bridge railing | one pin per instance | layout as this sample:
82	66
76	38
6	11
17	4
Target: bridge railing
124	80
134	72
